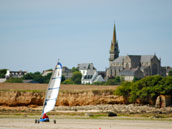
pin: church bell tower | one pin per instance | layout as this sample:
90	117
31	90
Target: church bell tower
114	50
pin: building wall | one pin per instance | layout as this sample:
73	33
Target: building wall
151	67
139	74
129	78
155	66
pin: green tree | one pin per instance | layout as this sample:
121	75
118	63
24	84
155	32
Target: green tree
2	73
37	77
117	80
76	77
63	78
46	78
124	90
113	81
28	76
75	69
170	73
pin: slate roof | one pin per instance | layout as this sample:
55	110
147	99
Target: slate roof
120	59
146	58
128	72
97	78
85	66
135	58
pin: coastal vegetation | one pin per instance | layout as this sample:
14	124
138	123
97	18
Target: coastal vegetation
146	89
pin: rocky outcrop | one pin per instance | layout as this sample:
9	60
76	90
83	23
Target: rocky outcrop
21	98
79	98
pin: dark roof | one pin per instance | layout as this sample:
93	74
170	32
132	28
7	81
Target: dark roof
135	58
128	72
66	69
146	58
85	66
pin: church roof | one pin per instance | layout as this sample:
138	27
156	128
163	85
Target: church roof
146	58
134	58
120	59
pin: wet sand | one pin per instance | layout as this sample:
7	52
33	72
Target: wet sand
12	123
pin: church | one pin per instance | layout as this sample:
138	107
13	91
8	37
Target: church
132	66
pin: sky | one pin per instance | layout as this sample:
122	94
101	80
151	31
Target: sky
34	34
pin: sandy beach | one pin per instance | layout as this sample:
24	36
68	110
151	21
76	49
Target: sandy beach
12	123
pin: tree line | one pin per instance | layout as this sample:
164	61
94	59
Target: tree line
37	77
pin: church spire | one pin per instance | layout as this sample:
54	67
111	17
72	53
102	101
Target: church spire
114	50
114	34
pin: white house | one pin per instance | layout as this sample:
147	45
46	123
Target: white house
15	74
89	73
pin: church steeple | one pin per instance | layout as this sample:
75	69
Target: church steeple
114	50
114	34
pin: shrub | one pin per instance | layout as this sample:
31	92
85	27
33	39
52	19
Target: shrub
170	73
74	69
99	83
124	89
113	81
110	82
2	73
145	89
15	80
76	77
68	81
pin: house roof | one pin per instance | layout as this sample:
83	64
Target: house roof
128	72
98	78
85	66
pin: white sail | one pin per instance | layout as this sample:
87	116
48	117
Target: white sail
53	89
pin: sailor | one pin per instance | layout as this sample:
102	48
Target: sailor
44	116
